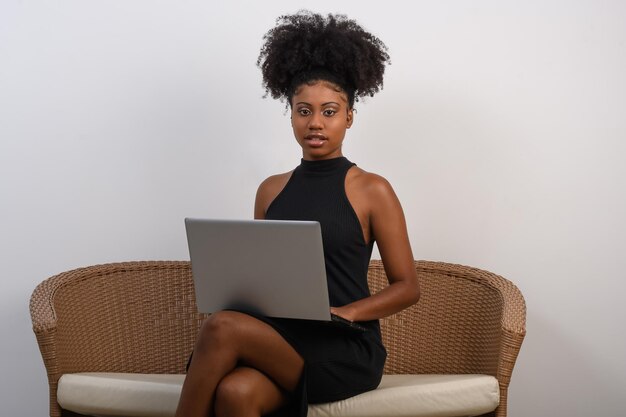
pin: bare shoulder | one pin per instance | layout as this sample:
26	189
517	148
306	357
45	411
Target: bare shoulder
275	181
267	192
373	185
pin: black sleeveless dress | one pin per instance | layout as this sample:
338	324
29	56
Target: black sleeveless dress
338	363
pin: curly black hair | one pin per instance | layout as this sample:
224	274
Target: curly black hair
307	46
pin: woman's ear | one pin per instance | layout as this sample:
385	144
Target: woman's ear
350	118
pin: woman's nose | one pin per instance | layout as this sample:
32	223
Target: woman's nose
315	122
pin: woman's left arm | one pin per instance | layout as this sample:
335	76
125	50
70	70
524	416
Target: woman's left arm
388	226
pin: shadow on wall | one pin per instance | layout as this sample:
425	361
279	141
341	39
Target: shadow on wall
555	376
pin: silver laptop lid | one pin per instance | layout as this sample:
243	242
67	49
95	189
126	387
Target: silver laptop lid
270	267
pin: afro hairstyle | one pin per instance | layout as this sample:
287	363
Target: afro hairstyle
307	46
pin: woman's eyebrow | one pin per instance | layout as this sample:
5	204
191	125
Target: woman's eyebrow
323	104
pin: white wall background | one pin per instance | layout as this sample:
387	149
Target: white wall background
502	127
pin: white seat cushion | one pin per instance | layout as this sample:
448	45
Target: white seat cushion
115	394
139	395
419	395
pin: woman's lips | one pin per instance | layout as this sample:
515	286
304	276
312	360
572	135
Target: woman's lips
315	141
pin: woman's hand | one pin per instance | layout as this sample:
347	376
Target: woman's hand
346	312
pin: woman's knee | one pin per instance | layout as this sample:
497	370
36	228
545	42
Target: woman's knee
236	396
219	327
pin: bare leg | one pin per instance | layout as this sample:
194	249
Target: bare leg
228	339
246	392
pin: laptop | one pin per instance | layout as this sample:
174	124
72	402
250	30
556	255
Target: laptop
273	268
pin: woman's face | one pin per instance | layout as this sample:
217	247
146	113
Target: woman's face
320	116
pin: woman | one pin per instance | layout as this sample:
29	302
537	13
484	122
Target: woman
245	365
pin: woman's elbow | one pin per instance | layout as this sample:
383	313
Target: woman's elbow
412	293
416	293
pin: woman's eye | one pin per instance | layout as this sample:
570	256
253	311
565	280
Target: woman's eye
329	112
304	112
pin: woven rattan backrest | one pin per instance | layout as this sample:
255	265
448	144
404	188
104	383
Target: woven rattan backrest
151	317
152	320
454	328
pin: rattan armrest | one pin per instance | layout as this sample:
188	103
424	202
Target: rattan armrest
466	321
44	326
124	317
513	321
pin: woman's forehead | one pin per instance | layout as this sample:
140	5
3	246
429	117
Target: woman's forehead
320	90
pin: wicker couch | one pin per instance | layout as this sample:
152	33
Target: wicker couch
141	318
